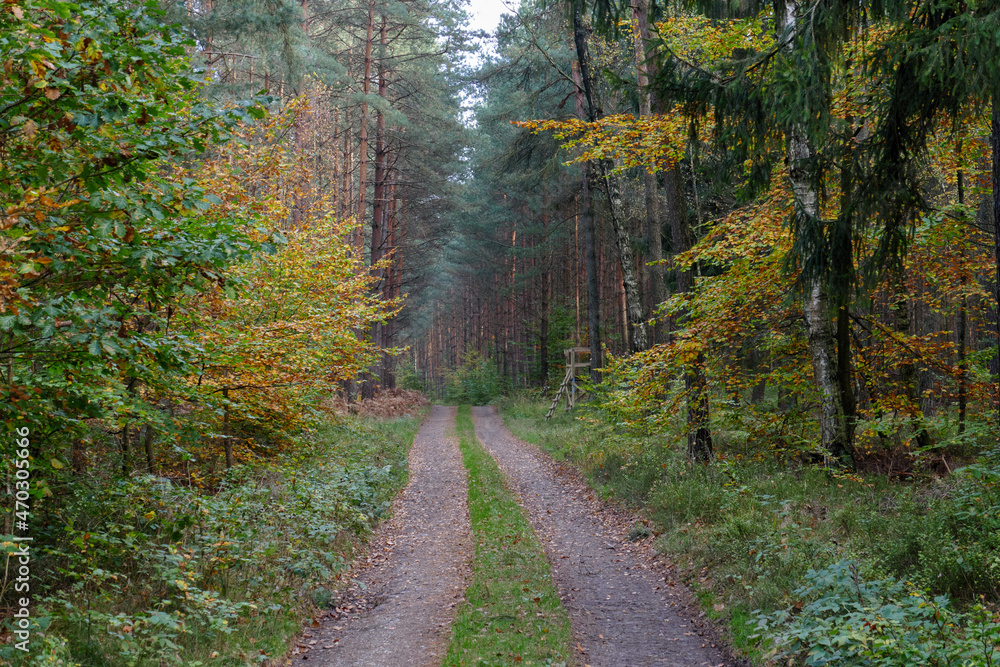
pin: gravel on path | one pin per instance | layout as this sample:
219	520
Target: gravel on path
404	601
624	608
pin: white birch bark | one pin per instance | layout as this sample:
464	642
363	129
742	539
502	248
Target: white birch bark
822	342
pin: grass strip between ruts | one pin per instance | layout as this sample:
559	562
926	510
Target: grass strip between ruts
512	613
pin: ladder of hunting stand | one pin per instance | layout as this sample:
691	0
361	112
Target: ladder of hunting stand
569	386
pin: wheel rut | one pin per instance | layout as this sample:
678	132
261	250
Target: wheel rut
623	609
405	596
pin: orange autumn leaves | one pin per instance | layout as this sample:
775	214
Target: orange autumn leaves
652	142
285	328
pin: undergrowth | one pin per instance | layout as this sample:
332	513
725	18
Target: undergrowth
147	571
512	613
767	543
476	381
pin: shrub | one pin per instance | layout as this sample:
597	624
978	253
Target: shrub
145	571
839	619
476	381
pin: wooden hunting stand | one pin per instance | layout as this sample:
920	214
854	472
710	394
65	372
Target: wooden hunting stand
569	386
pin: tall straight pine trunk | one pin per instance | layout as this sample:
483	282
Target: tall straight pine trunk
363	127
655	288
380	231
367	388
589	247
996	224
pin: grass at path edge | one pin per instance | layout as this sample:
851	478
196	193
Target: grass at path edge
512	613
753	535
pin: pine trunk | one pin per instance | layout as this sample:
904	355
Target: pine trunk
365	88
589	248
379	227
656	290
299	210
996	225
546	279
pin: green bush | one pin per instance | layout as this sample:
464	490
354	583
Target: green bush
409	378
475	381
752	527
146	571
839	619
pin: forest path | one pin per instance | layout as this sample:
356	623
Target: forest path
623	609
401	609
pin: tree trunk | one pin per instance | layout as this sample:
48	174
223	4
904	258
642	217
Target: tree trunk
365	87
147	442
546	286
379	231
907	369
593	285
700	446
963	323
589	248
391	285
301	127
367	387
654	270
963	366
843	273
636	322
227	443
126	458
346	187
677	221
132	386
699	434
996	225
845	378
822	348
79	456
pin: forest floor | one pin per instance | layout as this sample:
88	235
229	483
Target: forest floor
625	606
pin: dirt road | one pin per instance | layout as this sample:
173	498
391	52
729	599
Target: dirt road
622	610
420	562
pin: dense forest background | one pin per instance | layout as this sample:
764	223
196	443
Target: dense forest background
774	227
